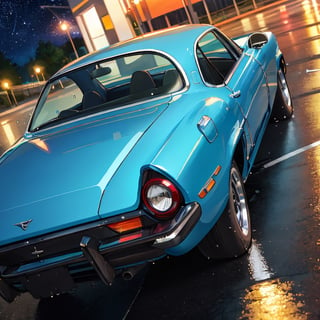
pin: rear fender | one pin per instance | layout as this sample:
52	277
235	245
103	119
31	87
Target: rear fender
196	159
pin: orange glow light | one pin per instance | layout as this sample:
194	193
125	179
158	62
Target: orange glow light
127	225
216	172
40	144
202	193
160	7
210	185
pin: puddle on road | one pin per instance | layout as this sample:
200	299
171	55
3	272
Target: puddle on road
269	299
272	300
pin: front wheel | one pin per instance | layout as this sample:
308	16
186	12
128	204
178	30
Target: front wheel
282	106
231	235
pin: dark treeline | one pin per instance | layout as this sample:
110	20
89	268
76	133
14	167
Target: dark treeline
48	57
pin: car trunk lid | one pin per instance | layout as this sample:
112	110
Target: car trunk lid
56	181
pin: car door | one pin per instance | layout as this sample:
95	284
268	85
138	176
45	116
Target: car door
250	90
224	64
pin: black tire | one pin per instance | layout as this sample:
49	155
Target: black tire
231	235
282	106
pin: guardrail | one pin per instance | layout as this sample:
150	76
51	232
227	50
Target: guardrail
20	93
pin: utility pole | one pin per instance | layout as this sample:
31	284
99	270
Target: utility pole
254	4
191	14
63	25
207	11
236	7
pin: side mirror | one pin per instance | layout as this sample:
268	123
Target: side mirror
257	40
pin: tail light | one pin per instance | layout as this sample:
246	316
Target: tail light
126	225
161	197
128	229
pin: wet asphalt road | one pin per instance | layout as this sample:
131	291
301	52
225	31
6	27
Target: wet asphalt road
280	277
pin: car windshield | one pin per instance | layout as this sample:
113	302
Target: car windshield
106	85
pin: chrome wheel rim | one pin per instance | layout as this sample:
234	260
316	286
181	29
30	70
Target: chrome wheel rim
284	88
239	202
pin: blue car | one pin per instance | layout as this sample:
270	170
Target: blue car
136	152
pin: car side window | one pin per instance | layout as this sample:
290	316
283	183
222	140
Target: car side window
62	94
214	59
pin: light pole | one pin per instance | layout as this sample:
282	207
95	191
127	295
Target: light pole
38	71
136	15
236	7
65	27
191	15
7	86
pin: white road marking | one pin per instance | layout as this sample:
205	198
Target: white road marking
292	154
258	265
312	70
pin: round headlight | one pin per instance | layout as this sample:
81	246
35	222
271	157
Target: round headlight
161	197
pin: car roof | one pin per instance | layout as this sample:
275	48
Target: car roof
171	40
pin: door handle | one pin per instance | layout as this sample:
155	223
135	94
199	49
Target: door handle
235	94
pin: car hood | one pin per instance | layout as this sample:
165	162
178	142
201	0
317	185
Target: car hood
57	180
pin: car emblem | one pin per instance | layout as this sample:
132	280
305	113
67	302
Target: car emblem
24	224
37	252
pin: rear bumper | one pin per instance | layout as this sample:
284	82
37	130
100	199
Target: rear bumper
71	255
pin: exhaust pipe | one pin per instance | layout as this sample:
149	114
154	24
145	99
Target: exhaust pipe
129	273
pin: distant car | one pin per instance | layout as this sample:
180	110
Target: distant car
136	152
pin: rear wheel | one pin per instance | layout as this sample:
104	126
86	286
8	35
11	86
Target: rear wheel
282	106
231	235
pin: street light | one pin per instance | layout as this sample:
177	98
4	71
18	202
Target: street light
65	27
6	85
38	70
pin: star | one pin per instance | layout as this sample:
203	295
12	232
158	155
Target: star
23	24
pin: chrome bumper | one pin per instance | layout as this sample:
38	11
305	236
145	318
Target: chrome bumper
105	259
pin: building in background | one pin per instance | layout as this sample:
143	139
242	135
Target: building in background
101	22
104	22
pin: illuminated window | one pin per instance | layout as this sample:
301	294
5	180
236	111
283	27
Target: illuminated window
95	29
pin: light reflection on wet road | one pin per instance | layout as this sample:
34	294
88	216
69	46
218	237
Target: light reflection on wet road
273	300
280	277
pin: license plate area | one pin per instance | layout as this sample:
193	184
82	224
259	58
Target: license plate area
49	283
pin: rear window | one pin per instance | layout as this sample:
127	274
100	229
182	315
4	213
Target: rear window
106	85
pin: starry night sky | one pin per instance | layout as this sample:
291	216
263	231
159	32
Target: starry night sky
23	24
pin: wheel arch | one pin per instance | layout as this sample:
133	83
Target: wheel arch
281	63
240	157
